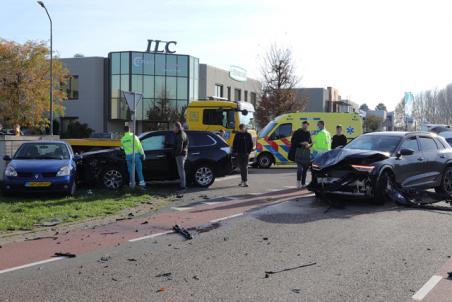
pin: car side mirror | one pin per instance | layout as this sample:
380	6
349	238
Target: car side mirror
405	152
7	158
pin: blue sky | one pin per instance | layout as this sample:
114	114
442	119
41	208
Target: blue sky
371	51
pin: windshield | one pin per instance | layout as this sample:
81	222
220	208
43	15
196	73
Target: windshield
42	151
383	143
266	129
247	120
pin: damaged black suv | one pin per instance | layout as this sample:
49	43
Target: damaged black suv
377	164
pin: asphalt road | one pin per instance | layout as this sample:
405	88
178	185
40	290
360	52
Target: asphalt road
361	253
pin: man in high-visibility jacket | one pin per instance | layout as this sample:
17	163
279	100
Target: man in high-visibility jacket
322	140
131	143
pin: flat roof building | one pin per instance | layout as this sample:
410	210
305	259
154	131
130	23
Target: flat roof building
167	81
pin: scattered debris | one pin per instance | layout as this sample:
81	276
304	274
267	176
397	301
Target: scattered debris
161	290
64	254
267	273
136	231
130	214
105	258
163	275
296	290
132	259
40	238
114	279
109	233
265	238
179	195
429	249
226	238
449	275
145	222
208	228
182	231
119	219
195	277
0	246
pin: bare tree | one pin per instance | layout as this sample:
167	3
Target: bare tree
279	80
433	106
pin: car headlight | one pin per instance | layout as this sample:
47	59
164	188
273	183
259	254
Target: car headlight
10	171
226	149
363	168
64	171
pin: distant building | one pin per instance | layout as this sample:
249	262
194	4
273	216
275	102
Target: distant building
324	100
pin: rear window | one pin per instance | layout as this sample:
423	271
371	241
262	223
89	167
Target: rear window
382	143
201	140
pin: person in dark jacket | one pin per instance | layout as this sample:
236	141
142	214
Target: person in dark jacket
301	144
181	150
339	140
242	147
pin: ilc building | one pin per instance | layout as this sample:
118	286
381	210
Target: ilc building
168	82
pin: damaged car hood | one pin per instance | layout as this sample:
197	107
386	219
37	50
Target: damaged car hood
349	156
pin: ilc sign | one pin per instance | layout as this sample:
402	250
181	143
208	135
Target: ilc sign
160	46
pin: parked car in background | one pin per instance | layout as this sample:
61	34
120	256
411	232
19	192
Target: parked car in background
41	166
373	163
208	157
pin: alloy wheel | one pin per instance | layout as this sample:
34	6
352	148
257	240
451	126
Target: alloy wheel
204	176
264	161
113	179
447	185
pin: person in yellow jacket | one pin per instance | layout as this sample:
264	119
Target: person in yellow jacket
321	140
131	143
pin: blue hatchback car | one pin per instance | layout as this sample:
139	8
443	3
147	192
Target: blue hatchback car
41	166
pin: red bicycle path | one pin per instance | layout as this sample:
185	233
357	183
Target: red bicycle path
81	241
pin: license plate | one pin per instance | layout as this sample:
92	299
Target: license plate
38	184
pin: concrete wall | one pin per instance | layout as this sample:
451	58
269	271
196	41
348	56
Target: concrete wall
9	145
90	106
209	76
316	98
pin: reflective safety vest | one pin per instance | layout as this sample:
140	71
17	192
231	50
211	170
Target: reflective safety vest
322	142
127	144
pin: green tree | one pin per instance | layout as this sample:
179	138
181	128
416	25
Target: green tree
24	84
381	106
364	107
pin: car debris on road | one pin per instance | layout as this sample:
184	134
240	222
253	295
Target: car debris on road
182	231
268	273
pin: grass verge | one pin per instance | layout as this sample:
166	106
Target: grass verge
21	213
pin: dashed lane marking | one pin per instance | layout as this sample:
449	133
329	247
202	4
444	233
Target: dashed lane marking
260	193
212	202
428	286
181	208
273	190
150	236
31	264
227	217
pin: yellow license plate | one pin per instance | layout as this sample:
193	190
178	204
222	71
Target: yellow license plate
38	184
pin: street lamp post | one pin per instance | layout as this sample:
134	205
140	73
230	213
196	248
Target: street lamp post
51	67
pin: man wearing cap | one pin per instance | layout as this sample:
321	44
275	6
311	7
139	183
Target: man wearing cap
339	140
301	143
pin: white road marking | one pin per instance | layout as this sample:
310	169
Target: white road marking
181	208
428	286
254	193
273	190
31	264
227	178
290	187
212	203
227	217
150	236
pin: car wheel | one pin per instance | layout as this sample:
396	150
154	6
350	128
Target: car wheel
112	178
384	184
265	161
203	176
446	183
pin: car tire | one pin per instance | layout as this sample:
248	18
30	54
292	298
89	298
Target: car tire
265	160
203	175
112	178
380	191
446	183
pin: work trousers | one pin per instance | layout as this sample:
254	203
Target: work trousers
180	161
242	161
302	170
138	166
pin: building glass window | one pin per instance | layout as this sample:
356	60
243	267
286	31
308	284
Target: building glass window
246	96
72	87
148	63
237	94
115	63
171	65
115	86
253	98
148	87
182	66
218	92
229	93
182	87
137	63
171	87
160	91
160	65
125	82
124	62
137	83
